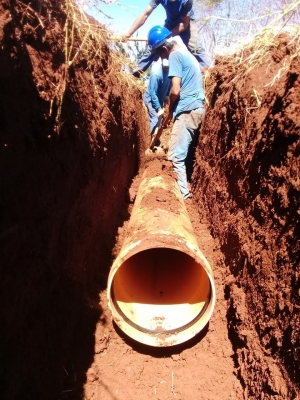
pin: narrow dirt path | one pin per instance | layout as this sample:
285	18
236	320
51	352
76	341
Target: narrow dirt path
203	368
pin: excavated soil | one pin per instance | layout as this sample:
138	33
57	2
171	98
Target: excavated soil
72	142
247	177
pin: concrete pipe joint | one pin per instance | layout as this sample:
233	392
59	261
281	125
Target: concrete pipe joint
160	288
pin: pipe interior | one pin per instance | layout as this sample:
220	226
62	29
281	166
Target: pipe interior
161	289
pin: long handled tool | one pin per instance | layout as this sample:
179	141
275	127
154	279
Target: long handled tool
152	149
131	39
157	132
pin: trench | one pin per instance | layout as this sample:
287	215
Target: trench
66	199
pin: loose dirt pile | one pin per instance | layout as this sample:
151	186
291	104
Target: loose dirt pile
73	132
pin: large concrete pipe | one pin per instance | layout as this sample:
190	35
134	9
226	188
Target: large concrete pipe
160	288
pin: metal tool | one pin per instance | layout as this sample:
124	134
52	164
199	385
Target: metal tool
131	39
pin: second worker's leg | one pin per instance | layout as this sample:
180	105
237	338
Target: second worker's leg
180	140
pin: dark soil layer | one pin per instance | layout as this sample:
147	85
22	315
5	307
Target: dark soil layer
63	180
247	176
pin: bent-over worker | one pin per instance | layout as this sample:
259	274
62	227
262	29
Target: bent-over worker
180	21
158	89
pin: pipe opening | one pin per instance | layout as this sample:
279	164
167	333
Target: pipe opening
161	290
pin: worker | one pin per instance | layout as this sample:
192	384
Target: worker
157	91
186	106
180	21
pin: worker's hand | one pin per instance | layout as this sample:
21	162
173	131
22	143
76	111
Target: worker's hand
125	37
160	113
167	120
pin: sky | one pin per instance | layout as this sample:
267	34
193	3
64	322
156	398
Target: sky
123	14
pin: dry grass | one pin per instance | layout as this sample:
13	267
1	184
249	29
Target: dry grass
87	40
91	40
278	39
253	54
29	12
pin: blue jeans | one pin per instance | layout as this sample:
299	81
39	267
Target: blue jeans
189	38
183	132
152	114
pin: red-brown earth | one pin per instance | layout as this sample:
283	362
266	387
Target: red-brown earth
247	177
71	156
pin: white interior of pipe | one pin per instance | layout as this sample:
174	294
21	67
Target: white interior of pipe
161	289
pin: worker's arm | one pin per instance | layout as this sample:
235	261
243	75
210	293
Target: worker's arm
174	92
174	96
181	27
185	18
141	19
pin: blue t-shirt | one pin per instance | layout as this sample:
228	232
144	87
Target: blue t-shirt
158	87
185	66
174	10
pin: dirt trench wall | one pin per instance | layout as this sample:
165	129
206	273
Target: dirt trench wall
247	175
63	180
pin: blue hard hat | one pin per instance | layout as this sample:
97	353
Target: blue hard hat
157	36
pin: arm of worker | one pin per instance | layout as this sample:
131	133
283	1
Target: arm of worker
185	19
174	96
141	19
181	27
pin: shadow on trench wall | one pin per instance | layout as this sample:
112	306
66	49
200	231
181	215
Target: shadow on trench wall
47	340
46	333
59	217
60	196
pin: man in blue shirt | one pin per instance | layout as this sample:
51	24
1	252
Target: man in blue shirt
180	21
158	89
186	106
